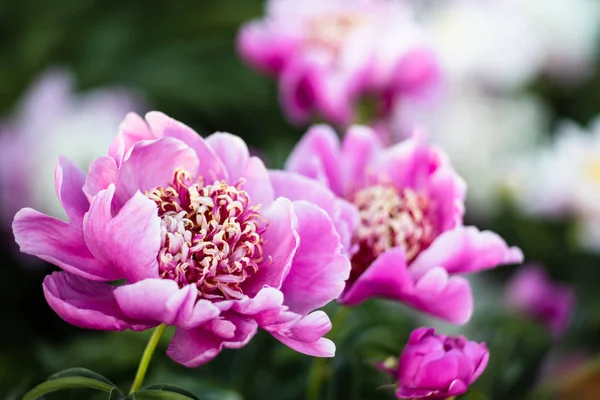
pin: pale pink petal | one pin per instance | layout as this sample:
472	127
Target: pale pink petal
210	166
317	156
466	249
281	241
59	243
86	304
133	129
162	300
103	171
69	180
386	277
319	348
447	191
267	309
319	269
197	346
130	240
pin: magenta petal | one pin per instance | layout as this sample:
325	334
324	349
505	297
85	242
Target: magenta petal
130	241
319	348
447	190
448	298
162	300
197	346
59	243
317	156
210	167
359	147
281	241
386	277
235	156
466	249
319	270
69	180
312	327
85	303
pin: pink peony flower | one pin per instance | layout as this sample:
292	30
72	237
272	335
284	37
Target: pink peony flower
434	366
410	243
329	55
193	229
532	292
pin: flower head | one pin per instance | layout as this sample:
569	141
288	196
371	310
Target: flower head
52	120
193	229
329	55
531	292
434	366
408	242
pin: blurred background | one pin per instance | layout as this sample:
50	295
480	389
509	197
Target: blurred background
516	115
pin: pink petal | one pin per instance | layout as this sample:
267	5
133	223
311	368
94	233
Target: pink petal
280	245
317	156
386	277
133	129
210	166
129	241
466	249
234	154
267	309
447	191
103	171
86	304
319	348
69	180
197	346
359	147
59	243
162	300
319	270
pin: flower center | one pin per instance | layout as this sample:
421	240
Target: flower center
210	236
388	219
330	31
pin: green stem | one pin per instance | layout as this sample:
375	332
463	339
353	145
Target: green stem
146	357
316	375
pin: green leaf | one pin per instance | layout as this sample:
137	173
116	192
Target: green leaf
74	378
170	388
162	395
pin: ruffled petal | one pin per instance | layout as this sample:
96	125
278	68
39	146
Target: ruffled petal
386	277
194	347
306	336
86	304
267	309
103	171
130	240
317	156
210	166
466	249
319	270
69	180
162	300
281	241
359	147
59	243
234	154
132	130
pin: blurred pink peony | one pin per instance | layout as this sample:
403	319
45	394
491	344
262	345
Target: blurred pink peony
410	243
434	366
193	229
329	55
52	120
532	292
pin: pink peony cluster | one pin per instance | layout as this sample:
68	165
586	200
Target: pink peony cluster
409	243
331	57
170	228
434	366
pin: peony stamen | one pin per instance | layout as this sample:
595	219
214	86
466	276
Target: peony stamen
211	237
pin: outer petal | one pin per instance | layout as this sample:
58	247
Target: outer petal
386	277
317	156
466	249
130	241
59	243
234	154
69	180
306	336
359	147
132	130
162	300
280	245
319	269
85	303
195	347
210	166
103	171
267	309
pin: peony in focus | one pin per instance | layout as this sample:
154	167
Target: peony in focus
52	120
330	55
531	292
193	229
434	366
410	243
